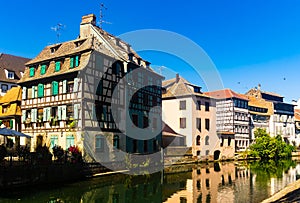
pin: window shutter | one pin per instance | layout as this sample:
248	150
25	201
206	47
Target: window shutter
24	93
23	115
59	108
77	61
72	62
76	111
93	112
54	88
64	89
48	113
33	92
11	123
75	88
40	90
32	115
43	69
45	114
57	66
31	72
64	112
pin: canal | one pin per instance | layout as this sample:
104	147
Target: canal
207	183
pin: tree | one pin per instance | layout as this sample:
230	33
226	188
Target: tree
267	147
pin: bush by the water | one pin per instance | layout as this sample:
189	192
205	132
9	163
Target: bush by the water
267	147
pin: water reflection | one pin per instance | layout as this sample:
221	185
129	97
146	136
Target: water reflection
213	182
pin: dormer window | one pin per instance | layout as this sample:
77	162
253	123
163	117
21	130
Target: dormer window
197	89
74	61
130	56
79	43
11	75
43	69
57	66
31	71
54	48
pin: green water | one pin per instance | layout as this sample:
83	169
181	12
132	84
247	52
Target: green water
219	182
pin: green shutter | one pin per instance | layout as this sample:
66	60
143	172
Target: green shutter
11	124
64	89
31	72
75	88
54	88
40	90
43	69
24	93
72	62
57	66
77	61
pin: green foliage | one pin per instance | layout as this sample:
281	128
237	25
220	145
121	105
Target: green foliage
267	147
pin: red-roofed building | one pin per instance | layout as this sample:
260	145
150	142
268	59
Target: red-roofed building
11	71
232	117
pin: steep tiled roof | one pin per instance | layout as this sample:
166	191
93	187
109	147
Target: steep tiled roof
297	114
226	94
179	87
10	99
12	63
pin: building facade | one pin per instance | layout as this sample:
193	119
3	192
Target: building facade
11	71
232	117
192	114
281	122
10	113
94	92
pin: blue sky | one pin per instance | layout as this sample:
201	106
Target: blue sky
249	41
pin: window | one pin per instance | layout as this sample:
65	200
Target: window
43	69
53	141
116	142
207	124
229	141
207	140
10	75
57	66
198	154
74	61
31	72
182	105
4	88
70	87
54	88
70	141
183	200
198	140
198	124
40	90
198	107
182	122
99	143
206	106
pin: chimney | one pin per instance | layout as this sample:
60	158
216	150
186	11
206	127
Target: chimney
85	25
177	78
258	87
88	19
147	64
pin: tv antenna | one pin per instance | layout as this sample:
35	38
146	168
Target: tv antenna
101	21
160	69
57	29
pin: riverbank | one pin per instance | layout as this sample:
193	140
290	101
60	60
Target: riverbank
288	194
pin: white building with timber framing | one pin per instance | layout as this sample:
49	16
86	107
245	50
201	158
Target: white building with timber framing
94	92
